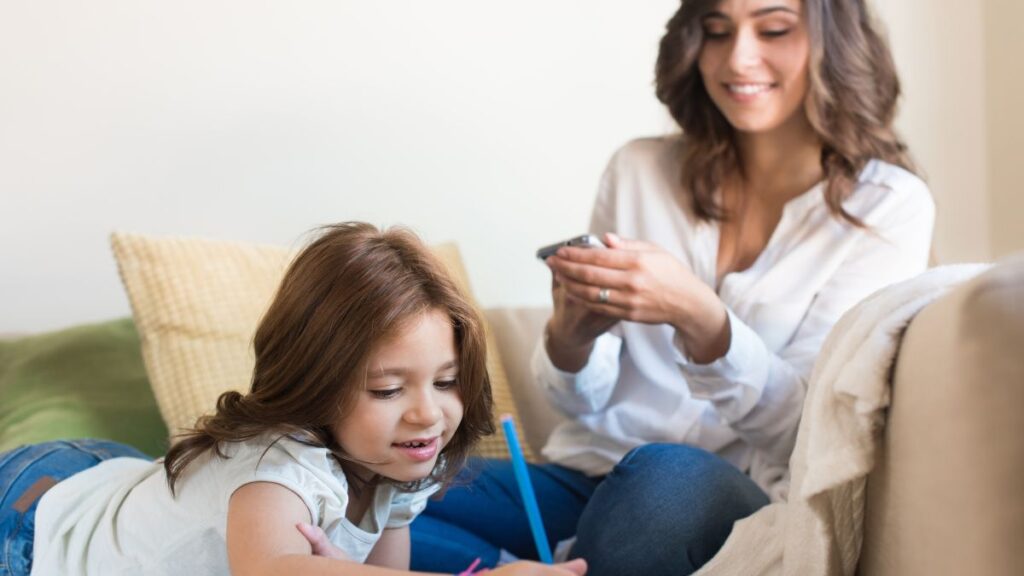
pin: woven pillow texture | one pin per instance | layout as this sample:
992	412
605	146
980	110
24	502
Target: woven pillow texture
196	304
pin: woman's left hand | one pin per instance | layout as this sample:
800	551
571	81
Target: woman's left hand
646	284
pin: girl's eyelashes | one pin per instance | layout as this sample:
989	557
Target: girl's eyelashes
775	33
446	384
386	393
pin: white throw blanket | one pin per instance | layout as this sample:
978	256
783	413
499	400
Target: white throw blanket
819	530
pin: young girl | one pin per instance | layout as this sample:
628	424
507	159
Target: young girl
369	390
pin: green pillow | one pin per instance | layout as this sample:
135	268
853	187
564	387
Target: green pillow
83	382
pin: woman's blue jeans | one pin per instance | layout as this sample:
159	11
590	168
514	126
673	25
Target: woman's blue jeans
25	474
664	509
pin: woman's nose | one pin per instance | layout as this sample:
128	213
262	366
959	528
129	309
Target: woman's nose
745	51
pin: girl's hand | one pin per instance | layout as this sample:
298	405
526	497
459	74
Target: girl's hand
322	545
577	567
646	284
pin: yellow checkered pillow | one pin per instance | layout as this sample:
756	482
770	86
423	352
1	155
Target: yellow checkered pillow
196	304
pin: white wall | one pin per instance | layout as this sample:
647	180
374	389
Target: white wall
940	53
486	123
1005	83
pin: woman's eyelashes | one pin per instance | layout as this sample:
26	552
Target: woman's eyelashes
719	27
714	35
716	30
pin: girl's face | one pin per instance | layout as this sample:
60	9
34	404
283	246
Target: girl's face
409	408
754	62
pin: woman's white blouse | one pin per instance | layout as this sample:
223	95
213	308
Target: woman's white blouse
639	387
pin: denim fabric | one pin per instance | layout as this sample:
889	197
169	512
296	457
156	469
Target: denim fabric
664	509
484	513
21	468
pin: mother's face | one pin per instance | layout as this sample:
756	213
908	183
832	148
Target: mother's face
754	61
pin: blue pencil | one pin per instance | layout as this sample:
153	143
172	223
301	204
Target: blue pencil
540	538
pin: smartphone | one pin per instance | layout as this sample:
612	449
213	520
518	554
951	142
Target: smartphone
584	241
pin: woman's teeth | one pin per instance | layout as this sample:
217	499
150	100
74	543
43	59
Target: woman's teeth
748	89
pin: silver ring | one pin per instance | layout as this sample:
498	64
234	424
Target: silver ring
602	295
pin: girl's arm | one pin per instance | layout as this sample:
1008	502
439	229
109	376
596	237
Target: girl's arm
262	540
392	550
260	515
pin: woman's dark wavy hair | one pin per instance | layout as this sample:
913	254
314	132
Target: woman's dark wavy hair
851	101
350	289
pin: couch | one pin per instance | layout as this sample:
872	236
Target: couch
943	500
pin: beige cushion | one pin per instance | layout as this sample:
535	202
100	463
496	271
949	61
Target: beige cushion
517	331
196	305
946	497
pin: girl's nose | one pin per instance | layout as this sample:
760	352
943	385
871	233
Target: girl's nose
425	410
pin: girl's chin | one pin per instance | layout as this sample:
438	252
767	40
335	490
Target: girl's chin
412	474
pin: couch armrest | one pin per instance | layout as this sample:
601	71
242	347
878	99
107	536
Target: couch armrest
946	496
516	331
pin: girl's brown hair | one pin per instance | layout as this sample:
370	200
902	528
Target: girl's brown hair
350	289
851	102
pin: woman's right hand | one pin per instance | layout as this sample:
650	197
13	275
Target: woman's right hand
572	329
577	567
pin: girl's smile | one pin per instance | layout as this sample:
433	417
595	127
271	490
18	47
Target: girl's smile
419	450
410	406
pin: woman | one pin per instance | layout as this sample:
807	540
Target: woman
681	355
